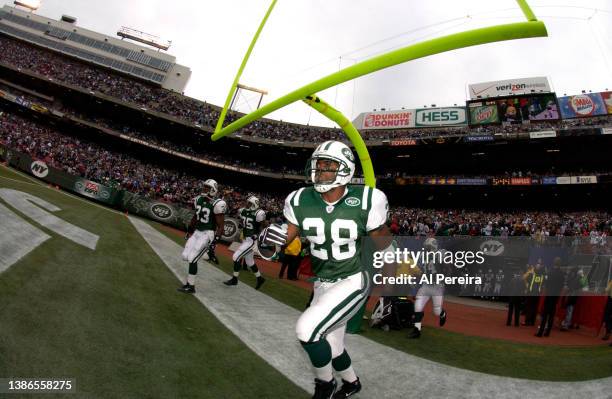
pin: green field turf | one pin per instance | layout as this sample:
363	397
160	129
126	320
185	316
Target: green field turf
112	319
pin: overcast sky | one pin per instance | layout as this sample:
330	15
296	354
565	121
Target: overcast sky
308	39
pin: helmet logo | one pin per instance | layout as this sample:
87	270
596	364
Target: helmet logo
348	154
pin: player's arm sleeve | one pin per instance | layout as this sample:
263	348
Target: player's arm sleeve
288	211
378	210
260	216
220	207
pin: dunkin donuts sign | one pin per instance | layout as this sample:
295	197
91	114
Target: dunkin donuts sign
388	120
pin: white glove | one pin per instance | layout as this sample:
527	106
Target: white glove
273	235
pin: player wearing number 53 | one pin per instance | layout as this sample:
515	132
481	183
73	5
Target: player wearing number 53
334	216
205	229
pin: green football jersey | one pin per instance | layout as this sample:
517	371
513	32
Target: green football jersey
206	211
335	230
251	221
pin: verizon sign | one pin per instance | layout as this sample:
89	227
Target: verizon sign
388	119
509	87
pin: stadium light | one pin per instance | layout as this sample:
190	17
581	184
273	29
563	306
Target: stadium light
142	37
31	5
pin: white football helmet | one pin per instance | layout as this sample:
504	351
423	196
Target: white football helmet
210	189
335	151
252	203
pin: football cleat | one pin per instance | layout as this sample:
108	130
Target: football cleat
213	258
348	389
414	333
442	318
231	281
187	289
324	389
260	281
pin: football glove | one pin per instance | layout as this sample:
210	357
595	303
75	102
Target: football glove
273	235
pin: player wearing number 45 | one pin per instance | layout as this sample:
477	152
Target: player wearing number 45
252	219
334	216
205	229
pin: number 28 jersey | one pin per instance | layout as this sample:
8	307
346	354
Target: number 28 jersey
335	230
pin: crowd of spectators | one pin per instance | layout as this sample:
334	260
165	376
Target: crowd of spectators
80	74
410	221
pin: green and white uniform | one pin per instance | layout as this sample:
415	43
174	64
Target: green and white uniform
206	225
251	222
335	232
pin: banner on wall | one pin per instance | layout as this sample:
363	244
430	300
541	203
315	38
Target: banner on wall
509	87
543	134
483	114
386	120
431	117
606	96
582	106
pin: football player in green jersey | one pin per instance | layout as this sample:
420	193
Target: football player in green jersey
206	228
252	219
334	216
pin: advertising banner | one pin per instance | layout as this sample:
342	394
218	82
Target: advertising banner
543	134
164	212
483	115
398	143
520	181
509	87
93	190
451	116
442	181
535	107
479	139
581	106
564	180
549	180
606	130
472	182
606	96
388	120
583	180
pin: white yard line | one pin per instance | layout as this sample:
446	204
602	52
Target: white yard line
267	327
17	238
